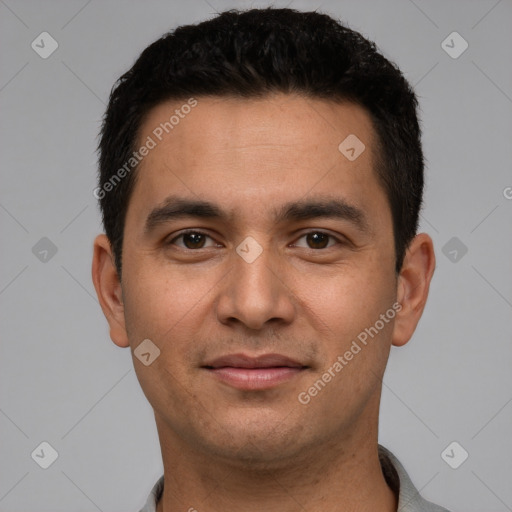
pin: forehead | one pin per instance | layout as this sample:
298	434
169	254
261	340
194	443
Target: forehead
255	150
274	122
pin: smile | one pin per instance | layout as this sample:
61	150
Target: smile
254	373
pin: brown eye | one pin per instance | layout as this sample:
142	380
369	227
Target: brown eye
191	240
317	240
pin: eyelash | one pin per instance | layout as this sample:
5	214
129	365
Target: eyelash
198	232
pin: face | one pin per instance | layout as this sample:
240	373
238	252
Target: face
255	257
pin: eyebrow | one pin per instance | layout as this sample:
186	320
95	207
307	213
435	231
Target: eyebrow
175	207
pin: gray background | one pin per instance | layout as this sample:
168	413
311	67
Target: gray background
61	378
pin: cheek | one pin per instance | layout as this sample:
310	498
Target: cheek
160	303
165	310
356	345
347	301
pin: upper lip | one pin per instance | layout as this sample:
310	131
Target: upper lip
245	361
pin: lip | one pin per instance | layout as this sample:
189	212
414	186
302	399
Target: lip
246	361
254	373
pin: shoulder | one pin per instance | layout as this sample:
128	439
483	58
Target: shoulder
409	498
154	496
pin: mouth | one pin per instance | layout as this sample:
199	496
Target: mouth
254	373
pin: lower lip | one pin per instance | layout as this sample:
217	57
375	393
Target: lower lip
255	378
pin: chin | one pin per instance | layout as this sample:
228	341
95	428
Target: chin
259	442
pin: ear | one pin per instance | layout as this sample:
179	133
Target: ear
108	288
413	285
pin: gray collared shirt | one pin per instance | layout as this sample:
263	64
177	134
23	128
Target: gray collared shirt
409	499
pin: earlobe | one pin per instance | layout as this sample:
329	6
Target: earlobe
108	288
413	287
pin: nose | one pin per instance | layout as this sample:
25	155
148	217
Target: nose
255	293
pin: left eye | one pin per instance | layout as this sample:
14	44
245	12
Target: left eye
318	240
192	240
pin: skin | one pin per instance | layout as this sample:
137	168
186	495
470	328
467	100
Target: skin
228	449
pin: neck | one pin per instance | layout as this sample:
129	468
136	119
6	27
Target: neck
338	476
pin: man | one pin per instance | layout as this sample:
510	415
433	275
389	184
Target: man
261	177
